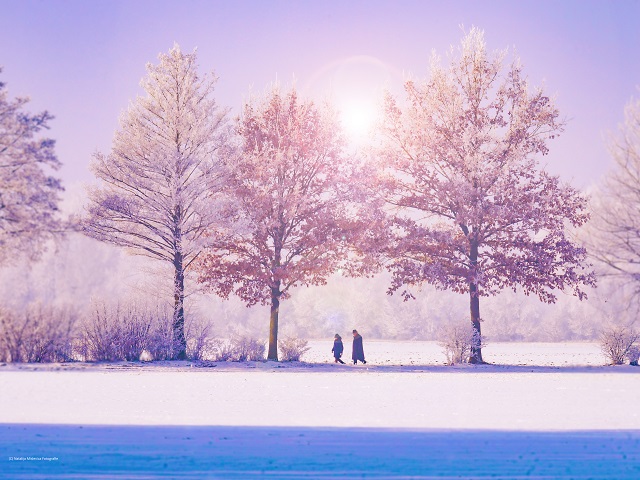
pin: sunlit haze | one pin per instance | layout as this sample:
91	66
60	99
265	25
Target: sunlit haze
355	86
83	61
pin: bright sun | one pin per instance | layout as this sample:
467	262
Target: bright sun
358	117
355	86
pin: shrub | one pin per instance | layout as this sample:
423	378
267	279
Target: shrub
223	351
114	333
37	334
238	349
125	331
162	345
200	344
248	349
456	340
616	342
292	349
146	356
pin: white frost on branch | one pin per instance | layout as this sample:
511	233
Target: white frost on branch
162	185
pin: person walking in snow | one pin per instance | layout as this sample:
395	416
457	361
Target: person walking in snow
358	350
337	349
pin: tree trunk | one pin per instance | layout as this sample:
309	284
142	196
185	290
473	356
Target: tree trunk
476	347
178	309
474	304
273	325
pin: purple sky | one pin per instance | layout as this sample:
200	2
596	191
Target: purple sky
83	60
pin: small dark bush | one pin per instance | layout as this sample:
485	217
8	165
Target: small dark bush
200	344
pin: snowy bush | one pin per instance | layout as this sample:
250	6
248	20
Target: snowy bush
247	349
163	344
200	344
456	340
37	334
115	333
223	351
291	349
145	356
239	348
617	342
124	331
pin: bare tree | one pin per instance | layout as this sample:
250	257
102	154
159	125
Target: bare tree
161	184
614	233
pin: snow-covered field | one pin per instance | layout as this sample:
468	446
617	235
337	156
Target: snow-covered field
540	411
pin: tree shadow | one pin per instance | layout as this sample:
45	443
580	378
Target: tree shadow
34	451
318	367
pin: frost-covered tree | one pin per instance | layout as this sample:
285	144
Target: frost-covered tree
615	230
471	210
291	185
29	195
161	184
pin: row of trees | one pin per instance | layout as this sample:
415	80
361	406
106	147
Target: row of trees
450	193
255	210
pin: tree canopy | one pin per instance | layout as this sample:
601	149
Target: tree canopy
470	209
161	184
29	194
291	185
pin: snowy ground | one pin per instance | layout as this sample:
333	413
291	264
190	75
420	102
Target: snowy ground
541	411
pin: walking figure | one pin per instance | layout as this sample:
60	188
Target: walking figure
337	349
358	350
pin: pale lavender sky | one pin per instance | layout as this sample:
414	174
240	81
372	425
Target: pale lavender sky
83	60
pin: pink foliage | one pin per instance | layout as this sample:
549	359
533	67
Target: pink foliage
470	209
291	183
292	186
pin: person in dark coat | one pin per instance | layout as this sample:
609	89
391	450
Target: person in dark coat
358	350
337	349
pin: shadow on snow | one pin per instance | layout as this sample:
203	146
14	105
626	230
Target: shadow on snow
308	367
73	451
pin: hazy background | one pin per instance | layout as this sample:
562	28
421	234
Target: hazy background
83	61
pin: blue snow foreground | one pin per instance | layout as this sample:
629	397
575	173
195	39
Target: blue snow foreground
35	451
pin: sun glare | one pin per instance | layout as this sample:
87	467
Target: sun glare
357	118
355	86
